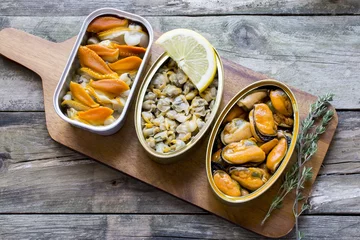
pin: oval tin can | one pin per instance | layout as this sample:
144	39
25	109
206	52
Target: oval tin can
166	158
256	85
73	64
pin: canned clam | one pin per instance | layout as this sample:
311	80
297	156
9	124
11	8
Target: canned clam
103	69
171	116
252	141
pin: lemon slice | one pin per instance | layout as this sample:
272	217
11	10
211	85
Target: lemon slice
193	54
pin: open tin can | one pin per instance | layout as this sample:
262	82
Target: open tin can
166	158
73	64
213	143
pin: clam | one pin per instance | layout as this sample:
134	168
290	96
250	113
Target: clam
236	130
113	86
162	147
150	96
150	132
209	94
177	144
108	54
80	95
180	104
149	105
276	155
91	74
242	152
127	51
125	65
249	178
74	104
188	126
281	102
104	23
96	116
159	81
226	184
262	123
172	91
164	104
89	59
255	97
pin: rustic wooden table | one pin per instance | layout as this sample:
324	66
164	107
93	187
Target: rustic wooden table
49	191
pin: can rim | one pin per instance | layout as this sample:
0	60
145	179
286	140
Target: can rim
285	161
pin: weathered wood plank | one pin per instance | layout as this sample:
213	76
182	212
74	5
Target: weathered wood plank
38	175
161	227
314	54
166	7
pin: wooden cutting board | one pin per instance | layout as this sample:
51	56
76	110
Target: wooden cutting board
185	179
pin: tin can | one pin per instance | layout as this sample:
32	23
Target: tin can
73	64
267	83
166	158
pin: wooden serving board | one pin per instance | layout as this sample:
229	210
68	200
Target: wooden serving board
185	179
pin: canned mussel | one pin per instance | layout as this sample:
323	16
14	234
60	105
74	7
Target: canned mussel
252	141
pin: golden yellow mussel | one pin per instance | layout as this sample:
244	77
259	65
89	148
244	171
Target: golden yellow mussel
276	155
268	146
132	36
255	97
249	178
242	152
235	112
236	130
281	102
226	184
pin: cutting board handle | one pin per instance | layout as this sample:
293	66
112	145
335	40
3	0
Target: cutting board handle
28	50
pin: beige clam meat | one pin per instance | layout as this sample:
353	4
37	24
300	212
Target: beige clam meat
173	110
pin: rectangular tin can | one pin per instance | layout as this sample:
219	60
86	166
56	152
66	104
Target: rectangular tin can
217	126
73	64
166	158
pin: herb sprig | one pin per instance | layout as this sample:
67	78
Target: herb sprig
310	130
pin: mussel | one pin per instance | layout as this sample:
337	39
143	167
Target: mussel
236	130
226	184
276	155
256	96
281	102
242	152
249	178
262	123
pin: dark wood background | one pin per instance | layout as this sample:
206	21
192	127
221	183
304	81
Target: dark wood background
47	190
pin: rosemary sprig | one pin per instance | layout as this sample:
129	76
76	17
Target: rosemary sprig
308	137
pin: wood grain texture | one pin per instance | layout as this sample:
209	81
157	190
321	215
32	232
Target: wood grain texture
50	60
27	152
102	226
315	54
181	7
